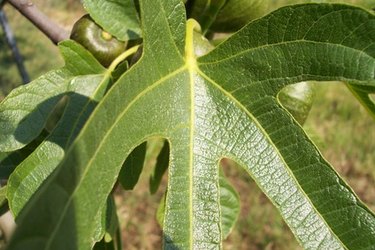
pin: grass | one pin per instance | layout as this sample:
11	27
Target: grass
338	125
345	132
39	53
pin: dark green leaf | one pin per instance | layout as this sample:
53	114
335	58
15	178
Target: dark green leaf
307	42
120	70
132	167
118	17
205	11
103	245
3	197
111	220
9	161
106	235
363	3
236	13
161	167
3	200
363	94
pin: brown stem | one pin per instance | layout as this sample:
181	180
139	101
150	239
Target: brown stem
51	29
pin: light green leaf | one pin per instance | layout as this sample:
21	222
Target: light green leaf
161	166
24	112
100	224
160	211
33	171
223	104
118	17
229	205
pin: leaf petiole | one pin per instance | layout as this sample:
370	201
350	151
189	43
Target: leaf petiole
99	93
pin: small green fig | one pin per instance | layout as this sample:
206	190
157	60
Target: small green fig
100	43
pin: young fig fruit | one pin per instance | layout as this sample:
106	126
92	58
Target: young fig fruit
100	43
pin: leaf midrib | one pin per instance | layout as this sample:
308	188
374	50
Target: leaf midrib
191	65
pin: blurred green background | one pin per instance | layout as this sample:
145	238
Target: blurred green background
338	124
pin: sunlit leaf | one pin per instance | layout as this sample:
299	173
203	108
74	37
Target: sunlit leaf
35	169
24	112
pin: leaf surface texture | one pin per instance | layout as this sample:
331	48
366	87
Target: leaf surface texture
223	104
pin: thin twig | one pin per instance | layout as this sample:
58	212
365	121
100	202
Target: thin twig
51	29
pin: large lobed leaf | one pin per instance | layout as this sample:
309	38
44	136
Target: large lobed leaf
220	105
